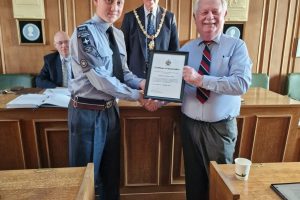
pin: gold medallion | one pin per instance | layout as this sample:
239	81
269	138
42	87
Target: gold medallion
151	45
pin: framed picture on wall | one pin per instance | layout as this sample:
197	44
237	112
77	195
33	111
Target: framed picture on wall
30	32
234	30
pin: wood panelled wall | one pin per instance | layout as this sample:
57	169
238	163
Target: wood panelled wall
271	34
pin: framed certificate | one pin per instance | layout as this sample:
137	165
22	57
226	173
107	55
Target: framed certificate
28	9
164	79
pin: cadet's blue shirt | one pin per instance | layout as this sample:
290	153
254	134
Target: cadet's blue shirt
230	77
92	64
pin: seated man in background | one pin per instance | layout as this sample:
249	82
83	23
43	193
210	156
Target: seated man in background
55	71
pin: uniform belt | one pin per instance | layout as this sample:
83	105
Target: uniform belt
91	104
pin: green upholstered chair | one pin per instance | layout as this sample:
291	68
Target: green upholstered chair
8	81
260	80
293	83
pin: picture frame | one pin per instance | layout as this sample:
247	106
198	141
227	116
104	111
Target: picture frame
31	31
28	9
164	78
234	30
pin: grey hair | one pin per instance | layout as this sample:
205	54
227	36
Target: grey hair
196	5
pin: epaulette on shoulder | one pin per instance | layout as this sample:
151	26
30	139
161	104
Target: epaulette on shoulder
82	28
89	22
83	31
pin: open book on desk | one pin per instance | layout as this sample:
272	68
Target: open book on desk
57	90
39	100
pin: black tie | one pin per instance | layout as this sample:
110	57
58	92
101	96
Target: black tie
117	64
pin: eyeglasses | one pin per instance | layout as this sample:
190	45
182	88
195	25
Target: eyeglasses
66	42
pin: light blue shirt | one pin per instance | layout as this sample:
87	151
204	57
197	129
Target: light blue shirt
92	64
230	77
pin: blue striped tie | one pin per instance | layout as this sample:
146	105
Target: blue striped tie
203	94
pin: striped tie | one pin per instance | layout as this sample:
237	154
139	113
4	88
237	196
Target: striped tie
203	94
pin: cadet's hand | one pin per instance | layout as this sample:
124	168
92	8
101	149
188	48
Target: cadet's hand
141	98
152	105
142	84
148	104
191	76
142	101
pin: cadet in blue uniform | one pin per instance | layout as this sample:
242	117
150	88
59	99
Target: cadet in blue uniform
97	49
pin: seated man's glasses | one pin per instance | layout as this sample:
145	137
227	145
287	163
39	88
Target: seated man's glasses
66	42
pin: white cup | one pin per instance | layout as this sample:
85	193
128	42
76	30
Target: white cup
242	168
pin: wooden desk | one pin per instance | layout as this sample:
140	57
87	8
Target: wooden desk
268	120
151	153
224	184
49	183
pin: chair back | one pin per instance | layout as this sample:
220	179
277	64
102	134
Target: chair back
293	83
8	81
260	80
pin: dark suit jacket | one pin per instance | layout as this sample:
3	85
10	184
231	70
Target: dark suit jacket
51	73
136	41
